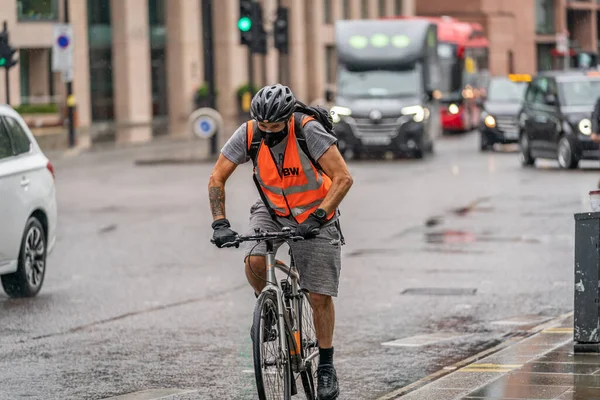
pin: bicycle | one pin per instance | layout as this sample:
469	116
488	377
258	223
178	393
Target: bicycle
296	353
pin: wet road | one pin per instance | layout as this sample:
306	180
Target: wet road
137	298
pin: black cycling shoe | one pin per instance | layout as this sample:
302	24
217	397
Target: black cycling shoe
327	382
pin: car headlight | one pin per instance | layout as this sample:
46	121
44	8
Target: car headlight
585	126
453	109
490	121
337	111
417	111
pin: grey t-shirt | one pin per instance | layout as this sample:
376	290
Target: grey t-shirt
318	142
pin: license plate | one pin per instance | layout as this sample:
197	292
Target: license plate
512	134
376	140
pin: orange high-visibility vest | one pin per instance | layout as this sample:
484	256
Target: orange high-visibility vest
299	188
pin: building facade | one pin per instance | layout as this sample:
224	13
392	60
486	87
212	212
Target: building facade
523	33
138	63
509	26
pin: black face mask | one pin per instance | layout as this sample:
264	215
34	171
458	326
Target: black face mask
274	138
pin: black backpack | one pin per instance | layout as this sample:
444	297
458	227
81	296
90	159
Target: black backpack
320	114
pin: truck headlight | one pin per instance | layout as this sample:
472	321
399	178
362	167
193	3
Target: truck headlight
417	111
453	109
337	111
585	126
490	121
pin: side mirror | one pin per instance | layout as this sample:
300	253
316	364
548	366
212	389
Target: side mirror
429	95
329	97
550	99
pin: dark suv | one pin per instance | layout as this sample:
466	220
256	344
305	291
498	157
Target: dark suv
555	119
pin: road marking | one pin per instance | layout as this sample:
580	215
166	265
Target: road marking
521	320
424	340
558	330
490	367
151	394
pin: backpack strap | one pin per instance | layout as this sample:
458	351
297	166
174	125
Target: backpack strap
254	138
300	120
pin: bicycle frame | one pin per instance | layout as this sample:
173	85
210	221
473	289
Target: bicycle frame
272	265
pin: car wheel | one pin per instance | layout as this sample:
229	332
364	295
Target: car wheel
484	143
526	158
28	279
567	159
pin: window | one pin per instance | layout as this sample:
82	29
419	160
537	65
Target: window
37	10
100	53
330	62
537	91
327	11
382	11
20	140
374	83
544	57
398	7
580	91
158	56
24	74
346	9
364	9
544	16
5	144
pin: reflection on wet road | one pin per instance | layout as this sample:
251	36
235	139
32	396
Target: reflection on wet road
136	298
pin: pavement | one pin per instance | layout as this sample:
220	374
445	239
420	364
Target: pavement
445	258
543	366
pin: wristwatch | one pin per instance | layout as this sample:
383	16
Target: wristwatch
320	214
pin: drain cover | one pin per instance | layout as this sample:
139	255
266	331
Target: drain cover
441	291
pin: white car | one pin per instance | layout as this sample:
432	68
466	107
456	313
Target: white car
28	213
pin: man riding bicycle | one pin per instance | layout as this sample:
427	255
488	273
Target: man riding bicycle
302	179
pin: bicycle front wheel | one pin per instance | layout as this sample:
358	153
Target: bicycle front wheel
271	361
310	346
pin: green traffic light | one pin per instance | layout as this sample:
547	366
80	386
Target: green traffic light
2	62
244	24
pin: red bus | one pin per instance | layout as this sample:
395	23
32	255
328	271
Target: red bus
463	52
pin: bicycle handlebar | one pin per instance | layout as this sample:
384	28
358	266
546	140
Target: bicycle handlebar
286	233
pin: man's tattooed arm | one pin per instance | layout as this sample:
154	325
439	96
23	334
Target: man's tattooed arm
216	186
216	195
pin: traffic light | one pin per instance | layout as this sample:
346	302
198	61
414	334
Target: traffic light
7	52
259	35
280	30
245	22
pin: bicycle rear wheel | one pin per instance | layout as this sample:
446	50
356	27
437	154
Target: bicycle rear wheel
271	362
308	338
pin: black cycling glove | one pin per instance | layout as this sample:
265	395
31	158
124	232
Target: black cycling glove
309	228
223	233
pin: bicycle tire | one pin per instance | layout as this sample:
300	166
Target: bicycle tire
268	301
308	339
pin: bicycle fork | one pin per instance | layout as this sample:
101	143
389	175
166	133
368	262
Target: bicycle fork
272	285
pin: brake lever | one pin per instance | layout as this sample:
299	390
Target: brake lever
228	244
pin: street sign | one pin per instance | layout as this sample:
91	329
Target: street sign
562	42
205	123
62	49
205	127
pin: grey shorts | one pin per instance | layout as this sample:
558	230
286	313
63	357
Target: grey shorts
318	261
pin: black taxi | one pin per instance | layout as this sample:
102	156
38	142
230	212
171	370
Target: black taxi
555	120
500	107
